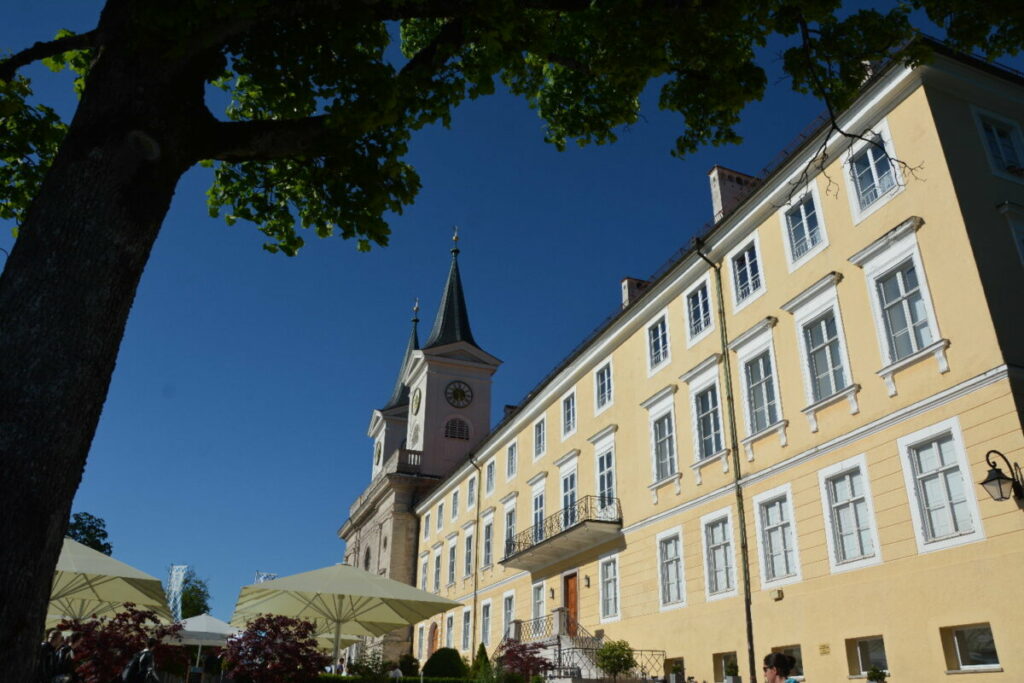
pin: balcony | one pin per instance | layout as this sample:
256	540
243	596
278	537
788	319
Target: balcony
591	521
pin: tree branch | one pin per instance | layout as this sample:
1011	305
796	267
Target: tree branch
267	140
40	50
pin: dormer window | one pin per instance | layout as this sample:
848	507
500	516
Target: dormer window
456	429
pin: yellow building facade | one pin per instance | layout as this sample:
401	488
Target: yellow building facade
777	444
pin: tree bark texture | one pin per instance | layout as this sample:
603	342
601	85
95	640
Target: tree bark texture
65	295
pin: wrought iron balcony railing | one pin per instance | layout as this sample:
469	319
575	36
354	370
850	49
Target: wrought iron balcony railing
586	509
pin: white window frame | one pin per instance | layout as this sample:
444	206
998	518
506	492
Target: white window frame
798	198
692	339
739	304
487	545
611	559
658	406
510	508
540	446
453	559
980	115
604	444
857	462
1014	214
437	569
677	533
598	407
534	613
862	666
467	552
567	428
507	616
421	632
537	490
426	525
471	492
425	570
882	131
489	477
806	307
449	630
440	515
748	346
511	461
652	367
784	491
467	628
954	641
879	258
485	622
455	504
709	518
568	468
699	379
904	444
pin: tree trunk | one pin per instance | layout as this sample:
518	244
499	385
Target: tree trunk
65	295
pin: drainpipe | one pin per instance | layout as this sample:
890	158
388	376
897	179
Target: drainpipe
734	447
477	534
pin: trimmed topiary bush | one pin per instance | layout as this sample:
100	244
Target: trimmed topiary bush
445	663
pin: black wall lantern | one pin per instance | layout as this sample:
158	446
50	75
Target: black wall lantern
1000	486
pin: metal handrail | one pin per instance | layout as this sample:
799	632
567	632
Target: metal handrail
586	509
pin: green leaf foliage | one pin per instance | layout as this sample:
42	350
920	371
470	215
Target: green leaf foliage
615	657
91	531
445	663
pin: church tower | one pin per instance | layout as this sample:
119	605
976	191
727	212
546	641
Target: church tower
438	410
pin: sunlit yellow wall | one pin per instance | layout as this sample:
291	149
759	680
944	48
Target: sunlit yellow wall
910	595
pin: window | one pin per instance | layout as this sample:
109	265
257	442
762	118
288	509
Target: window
670	569
568	415
508	608
437	571
973	647
471	493
488	539
539	439
698	310
864	654
467	555
489	478
569	515
456	429
903	311
761	405
603	386
511	464
657	343
485	623
426	525
424	572
746	272
664	447
718	556
455	504
419	645
609	589
776	537
849	519
440	516
794	652
466	629
824	361
1003	145
872	172
537	604
606	478
449	630
538	516
721	661
802	227
936	472
709	433
451	563
510	530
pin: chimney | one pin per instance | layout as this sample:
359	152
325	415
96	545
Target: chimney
728	189
509	409
632	288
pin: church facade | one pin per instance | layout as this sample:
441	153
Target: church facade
777	445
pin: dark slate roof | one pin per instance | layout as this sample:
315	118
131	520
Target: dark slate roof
400	394
452	322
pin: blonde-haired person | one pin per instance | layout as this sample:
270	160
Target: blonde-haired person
777	667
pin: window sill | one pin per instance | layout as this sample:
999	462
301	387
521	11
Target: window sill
849	393
697	467
780	427
672	478
754	295
937	349
864	676
994	668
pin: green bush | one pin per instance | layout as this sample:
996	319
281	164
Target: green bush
409	665
615	657
481	668
445	663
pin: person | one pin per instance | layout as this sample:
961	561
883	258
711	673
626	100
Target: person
395	673
339	668
48	655
65	669
777	667
142	666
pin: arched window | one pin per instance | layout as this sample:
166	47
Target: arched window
456	429
366	560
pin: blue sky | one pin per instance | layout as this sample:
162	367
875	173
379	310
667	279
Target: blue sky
234	438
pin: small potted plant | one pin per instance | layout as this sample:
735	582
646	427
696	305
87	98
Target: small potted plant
876	675
732	672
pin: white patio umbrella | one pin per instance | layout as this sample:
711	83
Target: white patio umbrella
88	583
345	599
205	630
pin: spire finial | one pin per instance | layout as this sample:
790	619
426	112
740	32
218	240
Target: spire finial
416	311
455	240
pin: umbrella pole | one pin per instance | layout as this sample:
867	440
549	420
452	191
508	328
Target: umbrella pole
198	653
337	640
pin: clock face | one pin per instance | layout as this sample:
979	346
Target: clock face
416	396
458	394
